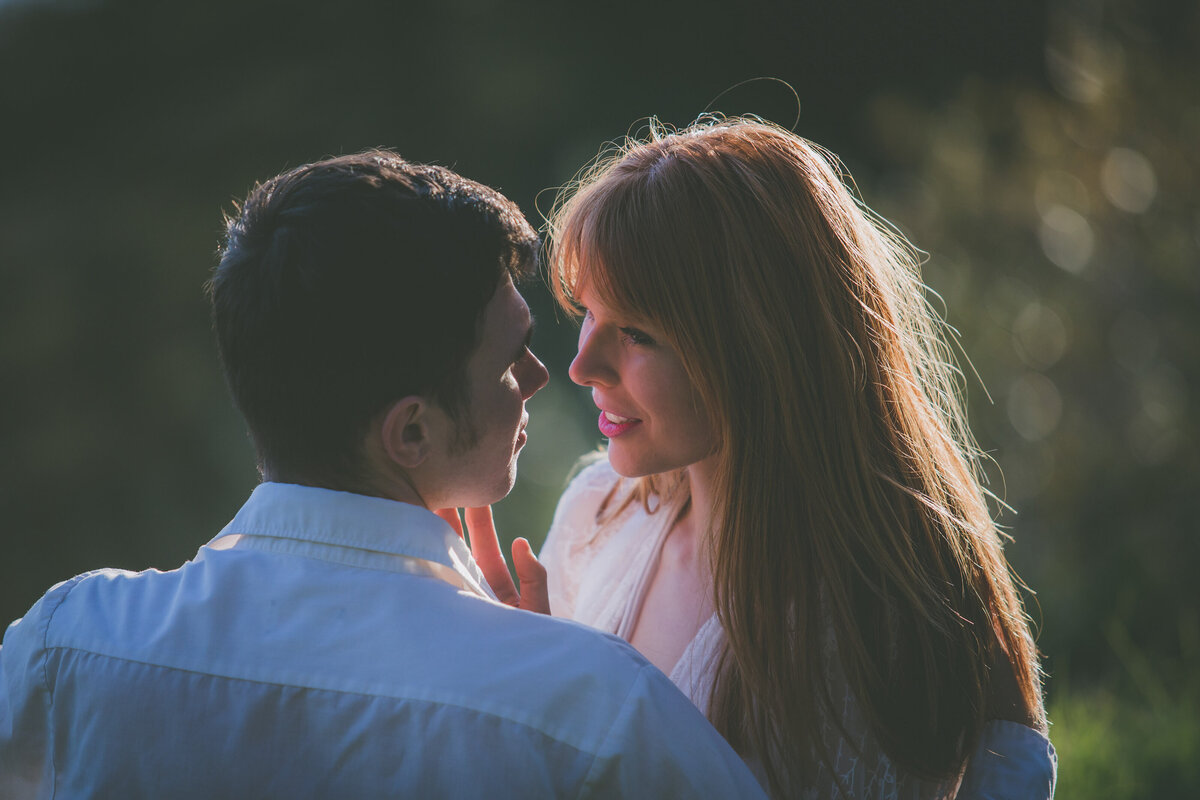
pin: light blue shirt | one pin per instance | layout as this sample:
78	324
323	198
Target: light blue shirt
335	645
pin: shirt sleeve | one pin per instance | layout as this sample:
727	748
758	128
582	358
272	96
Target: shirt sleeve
25	696
1011	762
661	746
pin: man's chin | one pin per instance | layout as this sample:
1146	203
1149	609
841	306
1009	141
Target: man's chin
494	495
507	487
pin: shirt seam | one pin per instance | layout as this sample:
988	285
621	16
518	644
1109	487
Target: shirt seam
327	560
618	720
45	657
348	565
301	533
368	695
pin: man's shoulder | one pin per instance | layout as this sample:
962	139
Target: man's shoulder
232	615
61	600
58	618
571	641
561	653
406	654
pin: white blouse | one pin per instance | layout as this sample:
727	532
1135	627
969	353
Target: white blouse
599	574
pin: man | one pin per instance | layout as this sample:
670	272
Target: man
337	639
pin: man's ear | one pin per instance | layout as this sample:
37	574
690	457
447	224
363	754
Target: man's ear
406	433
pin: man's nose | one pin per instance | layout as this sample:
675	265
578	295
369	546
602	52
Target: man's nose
537	377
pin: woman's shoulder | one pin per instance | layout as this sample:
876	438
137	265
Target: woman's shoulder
592	471
1011	760
589	484
576	535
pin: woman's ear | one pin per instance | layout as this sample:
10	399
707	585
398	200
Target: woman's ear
406	435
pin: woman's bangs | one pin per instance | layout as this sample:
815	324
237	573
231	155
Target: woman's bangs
599	257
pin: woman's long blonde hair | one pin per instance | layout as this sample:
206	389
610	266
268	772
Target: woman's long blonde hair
849	506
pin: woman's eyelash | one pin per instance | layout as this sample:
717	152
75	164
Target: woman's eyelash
634	336
630	335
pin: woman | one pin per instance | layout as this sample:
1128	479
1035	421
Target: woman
789	519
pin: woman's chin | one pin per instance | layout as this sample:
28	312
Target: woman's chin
623	464
634	465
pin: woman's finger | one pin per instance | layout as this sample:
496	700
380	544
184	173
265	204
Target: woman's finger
535	595
451	516
485	547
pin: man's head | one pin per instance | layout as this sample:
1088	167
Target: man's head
357	304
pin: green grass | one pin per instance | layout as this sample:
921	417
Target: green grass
1137	737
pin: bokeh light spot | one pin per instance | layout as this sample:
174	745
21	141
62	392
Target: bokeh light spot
1067	239
1129	180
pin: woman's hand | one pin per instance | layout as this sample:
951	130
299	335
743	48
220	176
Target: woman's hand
485	547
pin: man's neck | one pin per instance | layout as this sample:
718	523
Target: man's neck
401	492
387	487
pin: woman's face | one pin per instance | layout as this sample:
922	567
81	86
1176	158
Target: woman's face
651	413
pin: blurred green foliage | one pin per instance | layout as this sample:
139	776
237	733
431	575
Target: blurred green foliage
1044	153
1133	735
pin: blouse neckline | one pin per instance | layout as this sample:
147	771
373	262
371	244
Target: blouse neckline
666	512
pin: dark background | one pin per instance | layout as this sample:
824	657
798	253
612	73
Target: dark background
1043	153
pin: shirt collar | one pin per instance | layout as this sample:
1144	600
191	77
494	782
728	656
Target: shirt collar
342	520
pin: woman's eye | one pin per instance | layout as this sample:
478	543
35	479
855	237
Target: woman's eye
629	335
634	336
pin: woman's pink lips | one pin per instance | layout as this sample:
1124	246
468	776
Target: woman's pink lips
614	429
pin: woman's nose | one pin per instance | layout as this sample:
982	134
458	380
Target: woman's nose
591	367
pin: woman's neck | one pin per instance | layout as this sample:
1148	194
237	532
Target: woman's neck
678	594
700	477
